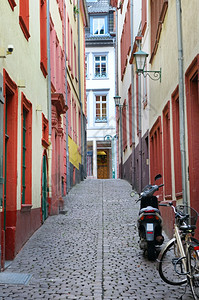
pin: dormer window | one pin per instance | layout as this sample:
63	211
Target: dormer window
98	25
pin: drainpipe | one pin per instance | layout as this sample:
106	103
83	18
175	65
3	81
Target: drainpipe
117	93
132	96
116	52
139	130
116	82
80	95
181	100
140	133
1	146
49	70
49	101
68	186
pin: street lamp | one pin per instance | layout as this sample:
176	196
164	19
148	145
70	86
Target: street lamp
117	100
118	104
140	61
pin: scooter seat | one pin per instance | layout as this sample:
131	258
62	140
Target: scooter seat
149	208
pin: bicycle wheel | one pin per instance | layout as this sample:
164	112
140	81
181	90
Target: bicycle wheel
193	268
170	264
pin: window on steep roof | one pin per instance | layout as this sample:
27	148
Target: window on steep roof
98	25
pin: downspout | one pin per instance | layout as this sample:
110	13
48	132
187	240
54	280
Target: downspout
117	93
1	150
68	187
80	95
116	89
49	70
132	96
49	102
140	128
116	52
181	100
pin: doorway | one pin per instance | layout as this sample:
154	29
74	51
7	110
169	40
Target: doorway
103	164
192	85
10	166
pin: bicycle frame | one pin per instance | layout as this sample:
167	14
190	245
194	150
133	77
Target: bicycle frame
181	248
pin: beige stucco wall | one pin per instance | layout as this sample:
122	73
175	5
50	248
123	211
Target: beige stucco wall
166	58
23	66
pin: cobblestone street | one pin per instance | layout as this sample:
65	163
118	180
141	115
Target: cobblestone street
91	252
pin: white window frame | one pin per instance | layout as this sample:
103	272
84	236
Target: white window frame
87	65
101	119
100	76
98	25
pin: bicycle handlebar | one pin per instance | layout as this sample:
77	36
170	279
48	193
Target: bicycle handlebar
177	214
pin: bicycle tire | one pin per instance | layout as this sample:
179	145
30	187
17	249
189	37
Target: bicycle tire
193	268
166	264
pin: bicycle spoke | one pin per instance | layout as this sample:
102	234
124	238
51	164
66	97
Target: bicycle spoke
193	266
171	267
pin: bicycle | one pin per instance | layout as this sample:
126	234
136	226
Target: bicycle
178	262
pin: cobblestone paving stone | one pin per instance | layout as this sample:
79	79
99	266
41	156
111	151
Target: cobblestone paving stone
91	252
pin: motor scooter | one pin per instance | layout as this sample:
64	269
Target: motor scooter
149	220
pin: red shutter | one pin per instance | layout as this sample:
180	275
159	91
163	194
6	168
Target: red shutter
156	149
144	16
167	152
43	37
130	114
24	17
176	142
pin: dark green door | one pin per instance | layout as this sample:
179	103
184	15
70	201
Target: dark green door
44	190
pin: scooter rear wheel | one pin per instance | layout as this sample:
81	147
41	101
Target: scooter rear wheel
151	251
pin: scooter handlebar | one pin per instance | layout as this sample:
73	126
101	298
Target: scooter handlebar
161	185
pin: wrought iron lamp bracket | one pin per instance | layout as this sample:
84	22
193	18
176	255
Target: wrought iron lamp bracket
154	75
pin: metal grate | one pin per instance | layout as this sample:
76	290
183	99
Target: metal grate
14	278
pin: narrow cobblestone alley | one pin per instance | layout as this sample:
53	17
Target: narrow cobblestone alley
91	252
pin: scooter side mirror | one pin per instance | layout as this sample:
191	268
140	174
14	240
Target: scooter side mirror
158	176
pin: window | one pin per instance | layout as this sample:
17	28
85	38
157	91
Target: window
75	54
125	42
69	110
130	114
45	132
158	12
144	16
98	26
26	144
100	64
86	65
124	130
74	113
101	108
156	150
